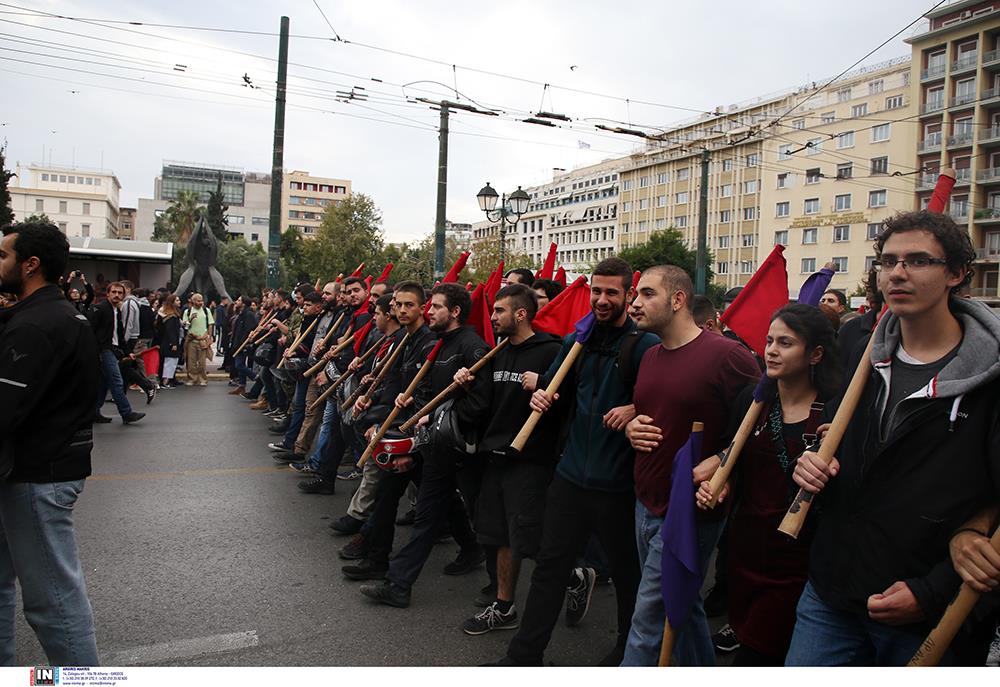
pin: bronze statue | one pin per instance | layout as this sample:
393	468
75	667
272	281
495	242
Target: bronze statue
202	252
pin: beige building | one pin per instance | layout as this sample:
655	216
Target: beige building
81	202
956	69
304	198
126	224
834	168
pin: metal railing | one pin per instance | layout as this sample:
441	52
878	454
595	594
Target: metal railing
989	134
927	181
962	99
932	72
963	175
991	56
989	174
964	138
967	62
932	106
932	141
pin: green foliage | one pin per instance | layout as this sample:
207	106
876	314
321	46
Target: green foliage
215	212
486	257
669	248
242	266
6	213
292	269
38	217
415	262
182	216
351	233
163	231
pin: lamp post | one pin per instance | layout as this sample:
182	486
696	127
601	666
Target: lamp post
507	214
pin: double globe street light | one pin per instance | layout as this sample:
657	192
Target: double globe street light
507	214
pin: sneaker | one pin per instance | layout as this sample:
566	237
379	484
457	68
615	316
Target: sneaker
387	593
350	474
347	525
356	549
286	457
578	596
248	397
715	601
487	595
259	404
365	569
101	419
133	417
466	561
302	468
489	619
317	486
150	394
408	518
275	446
278	429
202	383
993	655
725	640
270	412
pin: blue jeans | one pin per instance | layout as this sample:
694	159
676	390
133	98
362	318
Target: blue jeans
111	378
827	637
38	549
331	415
298	413
243	370
693	643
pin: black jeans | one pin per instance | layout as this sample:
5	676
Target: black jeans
133	372
572	513
437	502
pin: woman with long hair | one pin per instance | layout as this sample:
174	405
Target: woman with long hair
767	570
170	341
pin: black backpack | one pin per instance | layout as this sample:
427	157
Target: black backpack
146	318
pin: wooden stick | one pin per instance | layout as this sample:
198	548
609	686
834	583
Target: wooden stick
377	437
253	332
529	425
322	344
383	370
733	451
796	515
666	644
940	638
344	377
299	339
434	402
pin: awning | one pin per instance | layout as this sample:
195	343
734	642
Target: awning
118	249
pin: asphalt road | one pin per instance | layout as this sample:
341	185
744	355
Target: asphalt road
199	551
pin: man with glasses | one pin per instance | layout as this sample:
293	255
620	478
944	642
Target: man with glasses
920	457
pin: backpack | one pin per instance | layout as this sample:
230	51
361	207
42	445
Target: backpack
146	317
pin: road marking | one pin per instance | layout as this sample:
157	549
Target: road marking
208	472
182	648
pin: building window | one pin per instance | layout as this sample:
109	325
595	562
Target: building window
840	264
727	165
842	233
746	266
725	216
681	197
782	209
627	185
682	174
748	240
39	205
893	102
661	178
811	206
749	213
725	190
238	219
753	159
86	208
842	202
662	223
845	170
783	180
255	237
784	151
750	186
843	95
260	221
813	175
873	230
869	263
880	165
723	242
62	178
808	266
681	222
85	229
45	177
799	124
859	110
626	206
875	87
814	146
781	238
809	236
643	182
62	227
876	199
661	201
827	118
722	268
880	133
644	203
845	140
63	207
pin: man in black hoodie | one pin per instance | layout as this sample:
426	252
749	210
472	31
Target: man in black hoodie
47	355
512	496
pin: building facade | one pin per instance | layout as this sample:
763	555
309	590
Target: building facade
956	73
304	199
126	224
81	202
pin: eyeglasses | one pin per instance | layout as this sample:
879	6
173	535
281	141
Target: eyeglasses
913	262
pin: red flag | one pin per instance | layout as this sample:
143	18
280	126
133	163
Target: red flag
495	282
479	316
549	267
357	272
635	279
457	268
385	274
750	314
368	282
434	351
468	286
561	276
361	335
340	278
942	190
561	313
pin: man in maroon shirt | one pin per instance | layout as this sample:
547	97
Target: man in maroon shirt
692	376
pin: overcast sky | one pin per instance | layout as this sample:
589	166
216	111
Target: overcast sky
691	55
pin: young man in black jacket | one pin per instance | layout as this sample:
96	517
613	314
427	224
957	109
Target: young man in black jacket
512	497
109	329
921	456
47	354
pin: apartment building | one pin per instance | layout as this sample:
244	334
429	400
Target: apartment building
834	168
81	202
956	73
304	199
126	224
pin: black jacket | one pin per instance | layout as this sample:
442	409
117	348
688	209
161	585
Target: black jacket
170	337
102	319
460	348
243	324
496	409
384	397
48	384
889	514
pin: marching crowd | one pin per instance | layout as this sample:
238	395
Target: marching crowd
392	383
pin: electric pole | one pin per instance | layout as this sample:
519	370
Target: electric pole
442	194
277	164
701	273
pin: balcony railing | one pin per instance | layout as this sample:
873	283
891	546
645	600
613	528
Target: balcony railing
988	175
959	212
967	62
989	94
962	139
962	99
930	143
927	181
986	216
988	135
991	57
934	72
932	106
963	175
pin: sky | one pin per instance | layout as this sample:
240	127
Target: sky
92	93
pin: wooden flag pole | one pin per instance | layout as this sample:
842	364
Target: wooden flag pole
796	515
529	425
731	453
436	401
322	344
940	638
666	645
377	437
298	340
254	332
379	376
344	377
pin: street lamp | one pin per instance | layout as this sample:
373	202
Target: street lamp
507	214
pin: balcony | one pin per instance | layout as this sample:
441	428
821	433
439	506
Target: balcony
991	58
963	176
989	135
935	105
961	139
962	99
989	94
932	142
935	72
965	64
959	211
926	182
990	175
986	216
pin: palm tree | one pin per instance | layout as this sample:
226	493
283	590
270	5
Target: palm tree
183	214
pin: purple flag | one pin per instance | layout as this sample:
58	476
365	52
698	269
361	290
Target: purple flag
680	571
815	286
584	326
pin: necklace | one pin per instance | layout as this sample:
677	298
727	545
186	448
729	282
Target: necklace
776	423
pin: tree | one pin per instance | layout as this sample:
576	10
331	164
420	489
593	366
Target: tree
351	233
40	218
243	266
182	216
293	271
486	257
415	262
6	212
669	248
215	213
